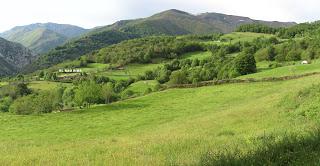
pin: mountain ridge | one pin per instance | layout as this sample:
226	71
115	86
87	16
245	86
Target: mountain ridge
41	37
13	57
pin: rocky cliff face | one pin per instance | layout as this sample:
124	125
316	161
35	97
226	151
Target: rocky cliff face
13	57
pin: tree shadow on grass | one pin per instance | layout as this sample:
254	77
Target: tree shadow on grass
291	150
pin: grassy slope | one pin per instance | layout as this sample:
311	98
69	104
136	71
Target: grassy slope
196	55
140	87
155	129
45	85
286	71
239	37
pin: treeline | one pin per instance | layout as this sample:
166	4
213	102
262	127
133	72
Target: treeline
293	50
257	28
300	30
85	90
221	65
143	50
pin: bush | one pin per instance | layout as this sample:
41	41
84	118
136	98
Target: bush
178	77
5	104
245	64
34	104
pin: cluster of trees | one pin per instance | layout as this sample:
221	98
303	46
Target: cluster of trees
143	50
220	66
300	30
257	28
17	98
293	50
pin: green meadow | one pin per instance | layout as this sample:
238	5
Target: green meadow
172	127
285	71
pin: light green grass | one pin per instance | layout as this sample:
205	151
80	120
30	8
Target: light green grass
236	37
197	55
173	127
286	71
95	67
132	70
3	84
45	85
141	87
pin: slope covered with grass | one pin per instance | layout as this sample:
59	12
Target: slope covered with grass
177	126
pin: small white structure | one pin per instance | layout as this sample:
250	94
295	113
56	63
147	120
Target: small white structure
70	70
304	62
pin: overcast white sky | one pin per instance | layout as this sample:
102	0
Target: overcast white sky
91	13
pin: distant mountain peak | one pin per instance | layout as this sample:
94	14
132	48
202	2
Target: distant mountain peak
41	37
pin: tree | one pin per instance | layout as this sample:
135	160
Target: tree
20	77
68	97
245	64
5	104
178	77
271	52
107	92
41	74
21	89
87	93
293	55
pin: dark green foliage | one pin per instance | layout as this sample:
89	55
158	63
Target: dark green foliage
44	102
257	28
271	53
87	93
5	103
293	55
15	90
178	77
245	64
145	49
300	30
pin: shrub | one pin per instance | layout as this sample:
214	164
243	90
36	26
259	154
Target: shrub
245	64
178	77
34	104
5	104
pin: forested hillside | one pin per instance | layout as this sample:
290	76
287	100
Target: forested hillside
171	22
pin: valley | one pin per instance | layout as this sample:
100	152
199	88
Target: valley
170	89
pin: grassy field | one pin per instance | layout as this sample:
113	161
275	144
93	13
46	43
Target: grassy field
45	85
196	55
131	70
239	36
285	71
173	127
141	87
95	67
3	84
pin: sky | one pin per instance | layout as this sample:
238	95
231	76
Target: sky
92	13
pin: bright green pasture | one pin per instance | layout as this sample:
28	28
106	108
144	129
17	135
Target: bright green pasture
285	71
197	55
141	87
172	127
45	85
132	70
239	37
3	84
